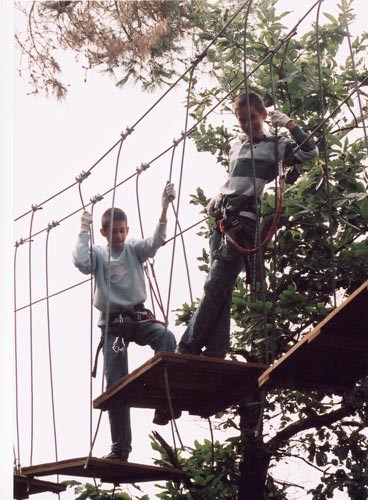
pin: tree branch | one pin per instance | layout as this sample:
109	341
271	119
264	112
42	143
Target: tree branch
316	421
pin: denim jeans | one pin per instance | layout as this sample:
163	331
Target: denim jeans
209	326
116	366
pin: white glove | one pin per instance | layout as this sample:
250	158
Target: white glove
86	221
279	119
168	195
214	205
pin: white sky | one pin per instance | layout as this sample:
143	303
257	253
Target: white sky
53	144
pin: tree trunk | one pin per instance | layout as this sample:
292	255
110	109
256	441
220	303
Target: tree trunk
255	458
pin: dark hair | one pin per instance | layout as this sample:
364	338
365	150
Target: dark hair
118	215
253	98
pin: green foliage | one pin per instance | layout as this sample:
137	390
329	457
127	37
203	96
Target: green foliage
95	492
207	464
321	242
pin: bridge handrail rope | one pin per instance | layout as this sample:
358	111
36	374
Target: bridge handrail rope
291	33
337	108
266	58
129	130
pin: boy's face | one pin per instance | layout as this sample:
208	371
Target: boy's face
120	231
254	126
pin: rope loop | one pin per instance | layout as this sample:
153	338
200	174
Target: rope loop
83	175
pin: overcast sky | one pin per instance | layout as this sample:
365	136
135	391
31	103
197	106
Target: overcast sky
54	143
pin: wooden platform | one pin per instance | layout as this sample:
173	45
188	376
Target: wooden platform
332	357
25	486
109	471
201	385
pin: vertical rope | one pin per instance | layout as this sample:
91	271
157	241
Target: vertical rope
18	458
273	278
49	343
184	134
356	84
106	327
326	162
171	409
34	208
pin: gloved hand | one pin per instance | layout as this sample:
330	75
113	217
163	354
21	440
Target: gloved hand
86	221
168	195
214	205
279	119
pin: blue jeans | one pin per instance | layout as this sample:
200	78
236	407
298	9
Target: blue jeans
209	326
116	366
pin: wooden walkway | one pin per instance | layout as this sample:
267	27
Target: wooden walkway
332	357
201	385
109	471
25	486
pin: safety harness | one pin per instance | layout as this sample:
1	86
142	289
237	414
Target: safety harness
228	229
118	321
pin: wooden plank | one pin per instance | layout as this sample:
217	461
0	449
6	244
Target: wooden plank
109	471
25	486
332	357
198	384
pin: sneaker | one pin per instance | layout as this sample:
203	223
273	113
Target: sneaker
113	455
163	417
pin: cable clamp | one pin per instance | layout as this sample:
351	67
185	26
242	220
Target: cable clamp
127	132
176	142
52	224
199	58
36	207
142	167
19	242
96	198
83	175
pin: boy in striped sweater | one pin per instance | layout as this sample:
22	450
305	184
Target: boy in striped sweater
253	162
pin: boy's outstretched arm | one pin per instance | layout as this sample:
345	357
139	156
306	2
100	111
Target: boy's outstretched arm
168	195
82	253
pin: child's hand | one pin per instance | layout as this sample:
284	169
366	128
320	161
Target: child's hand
168	195
86	221
214	205
279	119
